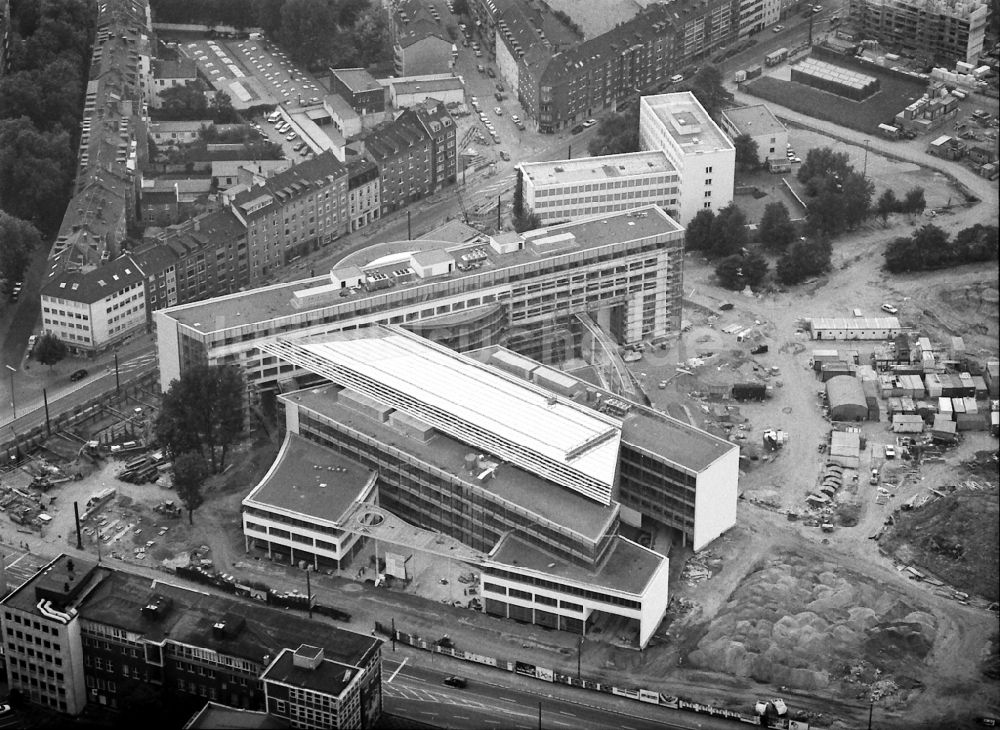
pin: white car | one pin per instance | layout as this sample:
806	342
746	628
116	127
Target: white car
890	451
589	123
890	309
778	29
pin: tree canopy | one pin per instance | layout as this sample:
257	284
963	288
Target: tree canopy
741	270
729	231
190	472
708	89
747	153
202	412
18	239
49	349
617	134
776	229
698	236
929	248
804	259
35	171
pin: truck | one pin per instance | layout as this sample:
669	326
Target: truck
750	391
740	76
754	71
775	57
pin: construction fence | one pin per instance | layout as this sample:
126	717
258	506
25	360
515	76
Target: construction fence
526	669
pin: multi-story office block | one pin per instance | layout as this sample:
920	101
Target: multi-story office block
704	157
523	290
94	309
514	459
570	189
78	632
293	213
946	29
760	124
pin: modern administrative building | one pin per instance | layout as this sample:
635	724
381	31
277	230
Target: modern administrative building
533	473
521	290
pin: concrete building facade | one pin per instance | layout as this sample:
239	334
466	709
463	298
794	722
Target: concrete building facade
760	124
704	157
570	189
521	289
947	29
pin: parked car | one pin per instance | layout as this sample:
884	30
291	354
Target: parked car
505	156
31	343
777	29
890	309
78	375
498	111
589	123
498	96
491	73
890	451
577	129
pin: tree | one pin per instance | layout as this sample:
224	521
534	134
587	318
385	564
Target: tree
776	229
519	194
698	236
35	170
822	163
190	472
747	154
222	109
707	88
202	411
804	259
914	202
856	191
348	11
976	243
49	349
461	7
927	248
528	222
886	205
371	37
306	29
268	14
739	271
729	231
18	240
183	102
617	134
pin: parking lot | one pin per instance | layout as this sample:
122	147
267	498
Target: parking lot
252	72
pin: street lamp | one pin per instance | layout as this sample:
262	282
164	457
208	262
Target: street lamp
13	404
864	172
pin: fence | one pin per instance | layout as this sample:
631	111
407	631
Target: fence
526	669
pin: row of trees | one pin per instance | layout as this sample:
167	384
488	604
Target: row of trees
189	102
317	33
717	234
930	248
200	418
40	104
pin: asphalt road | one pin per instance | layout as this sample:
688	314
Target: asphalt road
417	692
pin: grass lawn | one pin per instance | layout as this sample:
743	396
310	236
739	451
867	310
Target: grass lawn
864	116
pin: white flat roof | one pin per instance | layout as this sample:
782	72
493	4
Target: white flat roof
858	323
475	403
686	120
595	169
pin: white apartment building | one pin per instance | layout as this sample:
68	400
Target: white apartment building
772	12
751	17
702	154
94	309
760	124
569	189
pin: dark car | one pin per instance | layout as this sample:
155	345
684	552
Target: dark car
454	681
577	129
504	155
78	375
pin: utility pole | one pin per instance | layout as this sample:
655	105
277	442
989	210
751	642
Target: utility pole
79	538
118	386
498	213
871	708
579	651
409	231
45	399
309	593
394	633
864	172
540	716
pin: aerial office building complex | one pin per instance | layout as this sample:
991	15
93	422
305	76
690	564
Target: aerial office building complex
512	458
79	632
522	290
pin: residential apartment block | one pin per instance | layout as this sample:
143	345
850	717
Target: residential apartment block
364	198
112	149
168	74
759	123
523	290
79	633
534	469
570	189
416	154
293	213
419	42
945	29
561	80
704	157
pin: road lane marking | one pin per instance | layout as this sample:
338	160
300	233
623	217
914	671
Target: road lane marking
558	722
397	670
506	699
563	712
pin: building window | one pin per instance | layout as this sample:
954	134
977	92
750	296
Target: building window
708	170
